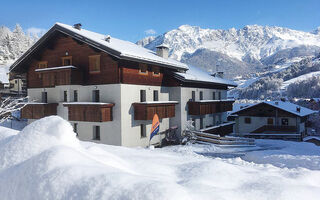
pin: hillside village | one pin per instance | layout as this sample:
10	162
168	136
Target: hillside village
172	116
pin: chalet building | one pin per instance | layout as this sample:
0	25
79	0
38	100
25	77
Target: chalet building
110	89
272	119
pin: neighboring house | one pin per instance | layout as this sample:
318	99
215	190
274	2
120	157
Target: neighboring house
110	89
272	119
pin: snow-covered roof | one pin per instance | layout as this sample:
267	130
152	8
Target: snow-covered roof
197	74
284	105
125	48
54	68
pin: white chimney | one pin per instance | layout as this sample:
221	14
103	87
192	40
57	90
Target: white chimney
107	38
163	51
217	74
77	26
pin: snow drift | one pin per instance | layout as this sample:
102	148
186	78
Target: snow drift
46	161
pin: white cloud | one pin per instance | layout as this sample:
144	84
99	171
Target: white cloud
36	31
150	32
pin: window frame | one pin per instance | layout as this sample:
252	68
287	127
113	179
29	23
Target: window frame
44	97
155	94
143	131
95	95
96	133
193	95
270	120
201	95
41	63
143	95
65	96
143	65
283	120
66	58
75	128
98	57
247	120
75	96
153	71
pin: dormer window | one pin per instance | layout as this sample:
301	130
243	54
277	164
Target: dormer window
42	64
156	71
143	68
66	61
94	64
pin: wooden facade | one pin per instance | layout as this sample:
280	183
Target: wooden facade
146	111
274	128
37	111
90	112
209	107
68	76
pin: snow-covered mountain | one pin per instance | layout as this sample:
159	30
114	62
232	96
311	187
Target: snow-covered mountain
252	48
14	43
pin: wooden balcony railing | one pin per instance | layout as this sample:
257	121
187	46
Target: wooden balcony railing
146	110
273	128
222	129
64	75
38	110
89	111
204	107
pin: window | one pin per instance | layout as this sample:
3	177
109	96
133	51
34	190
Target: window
44	97
65	96
96	132
155	95
75	95
143	68
95	96
156	71
66	61
270	121
75	128
201	95
214	120
219	95
194	123
284	121
142	95
247	120
201	123
213	96
143	130
94	64
42	64
193	96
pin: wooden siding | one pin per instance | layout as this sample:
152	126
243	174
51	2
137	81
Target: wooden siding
203	108
144	111
272	128
69	76
90	113
264	110
37	111
57	47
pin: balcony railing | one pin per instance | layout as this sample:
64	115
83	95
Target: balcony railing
89	111
204	107
38	110
146	110
64	75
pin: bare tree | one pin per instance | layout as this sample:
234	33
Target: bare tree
10	105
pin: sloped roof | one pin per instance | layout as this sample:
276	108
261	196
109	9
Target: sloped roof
283	105
197	74
116	47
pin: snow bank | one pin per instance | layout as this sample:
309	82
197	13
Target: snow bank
46	161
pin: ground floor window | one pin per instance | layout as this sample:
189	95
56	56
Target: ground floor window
143	130
75	128
201	123
75	95
96	132
247	120
284	121
270	121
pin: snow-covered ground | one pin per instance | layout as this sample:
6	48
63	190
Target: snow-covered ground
46	161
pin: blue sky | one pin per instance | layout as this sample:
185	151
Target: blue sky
133	20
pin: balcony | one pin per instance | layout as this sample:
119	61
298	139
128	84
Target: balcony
64	75
222	129
38	110
146	110
204	107
89	111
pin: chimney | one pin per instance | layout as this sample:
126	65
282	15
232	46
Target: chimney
277	103
107	38
217	74
163	51
298	109
77	26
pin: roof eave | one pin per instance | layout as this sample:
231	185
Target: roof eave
197	81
